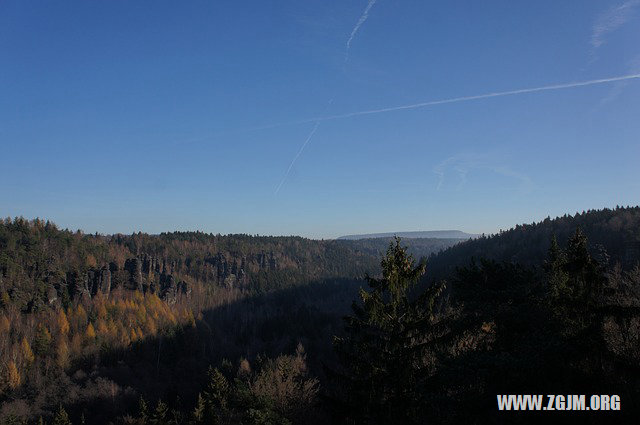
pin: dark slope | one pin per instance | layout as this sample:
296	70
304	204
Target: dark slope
418	247
614	235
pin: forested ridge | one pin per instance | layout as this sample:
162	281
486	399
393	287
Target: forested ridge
614	232
196	328
37	258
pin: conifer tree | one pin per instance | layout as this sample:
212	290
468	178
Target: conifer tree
61	417
143	411
200	410
160	414
216	395
42	341
384	352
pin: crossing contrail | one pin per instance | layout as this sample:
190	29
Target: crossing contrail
353	33
476	97
356	28
318	120
295	158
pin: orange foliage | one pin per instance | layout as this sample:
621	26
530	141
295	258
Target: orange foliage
25	350
90	261
12	376
90	333
5	325
63	323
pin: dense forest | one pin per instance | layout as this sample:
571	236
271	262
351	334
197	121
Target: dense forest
198	328
418	247
614	235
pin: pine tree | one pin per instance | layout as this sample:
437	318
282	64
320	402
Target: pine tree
199	410
583	270
555	264
61	417
160	413
216	395
386	342
42	342
143	411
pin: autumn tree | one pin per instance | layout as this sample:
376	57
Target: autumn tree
62	322
12	376
27	353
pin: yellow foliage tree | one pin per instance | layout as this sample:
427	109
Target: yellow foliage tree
63	323
101	328
27	353
5	325
90	333
76	344
80	317
150	327
90	261
133	335
12	376
101	310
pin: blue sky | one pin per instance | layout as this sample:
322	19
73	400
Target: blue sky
154	116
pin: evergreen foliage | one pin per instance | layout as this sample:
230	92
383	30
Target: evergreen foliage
386	350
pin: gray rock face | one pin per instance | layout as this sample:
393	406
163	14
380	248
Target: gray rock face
273	264
104	281
134	267
78	285
171	289
52	296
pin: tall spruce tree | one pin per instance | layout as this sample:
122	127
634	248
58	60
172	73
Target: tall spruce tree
386	353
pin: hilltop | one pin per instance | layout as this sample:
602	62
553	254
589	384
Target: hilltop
430	234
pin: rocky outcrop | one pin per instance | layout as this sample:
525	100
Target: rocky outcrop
78	285
267	262
172	289
103	282
134	267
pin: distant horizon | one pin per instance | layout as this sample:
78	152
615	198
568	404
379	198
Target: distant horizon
338	237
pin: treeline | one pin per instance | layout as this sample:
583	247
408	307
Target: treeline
614	236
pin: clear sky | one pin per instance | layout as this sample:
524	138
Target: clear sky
122	116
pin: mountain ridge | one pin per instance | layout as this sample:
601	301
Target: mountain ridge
420	234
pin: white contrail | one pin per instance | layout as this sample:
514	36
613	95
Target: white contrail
476	97
295	158
355	29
